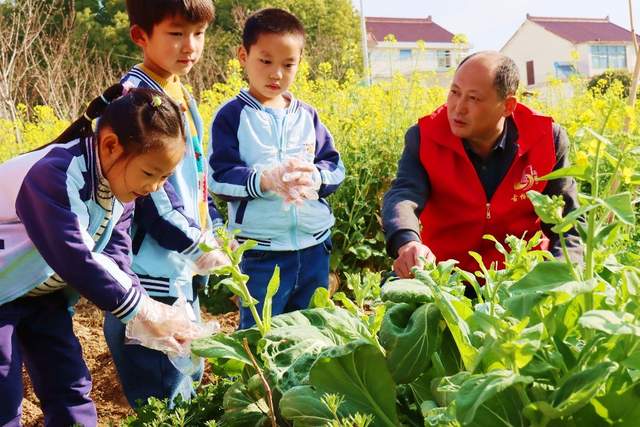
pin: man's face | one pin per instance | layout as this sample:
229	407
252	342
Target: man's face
475	110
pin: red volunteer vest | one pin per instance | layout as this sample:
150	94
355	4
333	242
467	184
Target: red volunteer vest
458	213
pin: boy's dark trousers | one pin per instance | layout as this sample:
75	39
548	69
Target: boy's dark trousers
38	331
301	273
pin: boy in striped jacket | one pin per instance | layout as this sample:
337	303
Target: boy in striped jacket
167	229
275	163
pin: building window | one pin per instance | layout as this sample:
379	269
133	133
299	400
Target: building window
444	58
531	78
608	57
404	54
564	70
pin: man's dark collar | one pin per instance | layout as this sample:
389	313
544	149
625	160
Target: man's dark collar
509	135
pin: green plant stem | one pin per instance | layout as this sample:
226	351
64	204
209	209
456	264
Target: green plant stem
591	225
265	384
256	317
565	253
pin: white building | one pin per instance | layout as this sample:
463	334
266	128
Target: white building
407	45
545	47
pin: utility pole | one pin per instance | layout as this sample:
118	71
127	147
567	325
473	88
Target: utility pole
365	50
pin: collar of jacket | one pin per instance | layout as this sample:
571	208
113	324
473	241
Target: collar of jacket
252	102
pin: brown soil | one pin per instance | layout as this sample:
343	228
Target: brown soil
107	394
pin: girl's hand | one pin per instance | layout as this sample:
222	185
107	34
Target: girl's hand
166	328
210	261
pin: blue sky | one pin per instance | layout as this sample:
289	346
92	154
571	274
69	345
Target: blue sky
490	23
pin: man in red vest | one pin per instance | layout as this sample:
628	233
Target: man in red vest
466	168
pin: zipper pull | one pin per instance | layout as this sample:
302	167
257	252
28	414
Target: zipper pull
488	216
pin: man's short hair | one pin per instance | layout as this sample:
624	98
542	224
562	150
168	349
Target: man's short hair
148	13
270	21
507	77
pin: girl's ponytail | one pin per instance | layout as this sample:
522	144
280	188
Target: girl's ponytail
82	126
141	118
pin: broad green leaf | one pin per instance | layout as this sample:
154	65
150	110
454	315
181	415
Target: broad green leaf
622	405
455	312
242	410
633	362
421	387
604	233
448	356
581	387
475	404
610	322
304	406
446	388
621	206
529	291
272	288
410	337
359	372
221	348
296	340
406	290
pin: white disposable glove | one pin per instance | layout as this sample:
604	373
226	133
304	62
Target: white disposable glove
213	259
302	185
166	328
293	180
209	261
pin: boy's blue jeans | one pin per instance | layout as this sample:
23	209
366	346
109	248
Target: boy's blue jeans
144	372
301	273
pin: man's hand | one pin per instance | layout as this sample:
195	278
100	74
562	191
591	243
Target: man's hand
410	255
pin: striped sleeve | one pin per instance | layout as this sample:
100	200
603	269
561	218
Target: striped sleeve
229	176
55	218
161	214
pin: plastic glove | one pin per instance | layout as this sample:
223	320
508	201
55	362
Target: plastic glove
209	261
303	181
212	259
282	177
166	328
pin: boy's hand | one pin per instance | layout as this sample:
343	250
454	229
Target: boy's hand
291	180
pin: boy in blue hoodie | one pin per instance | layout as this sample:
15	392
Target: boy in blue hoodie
167	230
274	162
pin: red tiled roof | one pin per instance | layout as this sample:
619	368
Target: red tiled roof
582	30
407	29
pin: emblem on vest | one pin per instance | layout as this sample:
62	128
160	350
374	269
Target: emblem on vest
528	179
